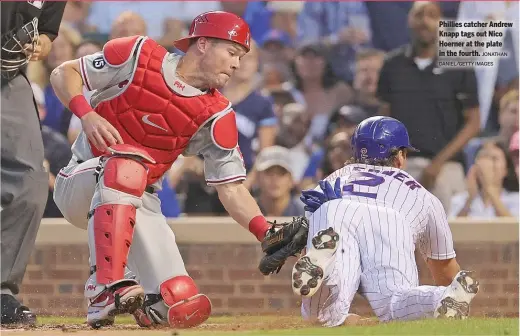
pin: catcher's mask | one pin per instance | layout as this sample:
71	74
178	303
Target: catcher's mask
17	48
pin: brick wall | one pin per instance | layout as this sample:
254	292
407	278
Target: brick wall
228	274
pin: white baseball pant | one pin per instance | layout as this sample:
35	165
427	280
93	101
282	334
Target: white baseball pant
376	256
154	256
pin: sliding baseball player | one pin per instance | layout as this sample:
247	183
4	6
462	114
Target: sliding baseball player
363	234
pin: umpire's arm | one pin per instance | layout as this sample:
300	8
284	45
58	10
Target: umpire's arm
48	27
50	19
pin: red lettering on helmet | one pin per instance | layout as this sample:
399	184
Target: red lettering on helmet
179	85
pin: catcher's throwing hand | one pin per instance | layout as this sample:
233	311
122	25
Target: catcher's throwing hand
282	241
100	131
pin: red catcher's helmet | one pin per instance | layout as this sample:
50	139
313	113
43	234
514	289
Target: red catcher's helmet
217	24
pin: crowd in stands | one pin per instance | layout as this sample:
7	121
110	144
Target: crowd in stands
315	70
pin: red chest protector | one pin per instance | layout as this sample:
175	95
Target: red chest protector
149	115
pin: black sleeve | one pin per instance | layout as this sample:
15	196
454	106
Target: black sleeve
50	18
468	92
383	85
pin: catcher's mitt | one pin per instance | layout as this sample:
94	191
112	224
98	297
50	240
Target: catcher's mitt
282	241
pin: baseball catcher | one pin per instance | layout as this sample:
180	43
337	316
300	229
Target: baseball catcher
148	107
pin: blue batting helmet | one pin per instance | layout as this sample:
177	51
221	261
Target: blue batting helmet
375	138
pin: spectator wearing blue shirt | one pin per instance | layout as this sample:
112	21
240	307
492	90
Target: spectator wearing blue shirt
169	202
254	112
343	27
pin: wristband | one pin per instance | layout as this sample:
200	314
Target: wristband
79	106
258	226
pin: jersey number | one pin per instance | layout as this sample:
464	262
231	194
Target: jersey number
372	181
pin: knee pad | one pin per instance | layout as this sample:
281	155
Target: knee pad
126	175
187	307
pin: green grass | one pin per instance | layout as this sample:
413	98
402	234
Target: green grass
255	324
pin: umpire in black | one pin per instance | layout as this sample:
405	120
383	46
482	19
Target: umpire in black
28	29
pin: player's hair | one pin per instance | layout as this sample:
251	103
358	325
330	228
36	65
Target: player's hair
386	162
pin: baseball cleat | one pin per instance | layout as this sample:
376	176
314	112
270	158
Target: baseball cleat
114	301
309	270
457	298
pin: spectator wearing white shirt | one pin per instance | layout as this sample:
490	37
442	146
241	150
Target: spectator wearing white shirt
492	186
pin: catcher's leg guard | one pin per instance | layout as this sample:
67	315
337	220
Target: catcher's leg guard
187	307
123	181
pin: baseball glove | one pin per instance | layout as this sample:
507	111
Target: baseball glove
282	241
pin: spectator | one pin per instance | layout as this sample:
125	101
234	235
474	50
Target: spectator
294	127
63	49
187	177
274	75
276	47
87	47
156	14
494	82
368	65
285	16
346	119
492	185
170	206
439	108
513	151
333	156
339	151
275	180
507	120
321	89
75	15
280	97
508	116
388	21
128	24
255	13
254	112
57	153
343	27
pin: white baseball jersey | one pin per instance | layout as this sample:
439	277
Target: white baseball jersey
107	81
383	214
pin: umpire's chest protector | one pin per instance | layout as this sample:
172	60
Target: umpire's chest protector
158	112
